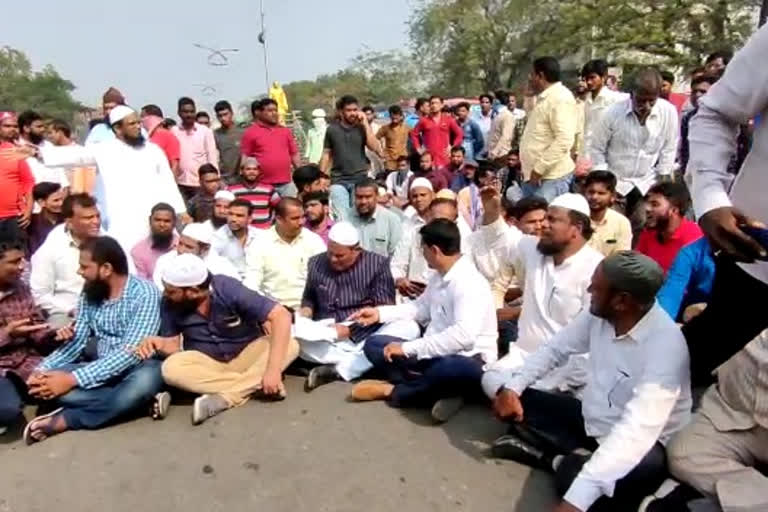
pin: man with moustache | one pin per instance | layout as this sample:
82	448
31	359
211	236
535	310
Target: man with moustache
118	310
162	239
32	135
221	202
317	214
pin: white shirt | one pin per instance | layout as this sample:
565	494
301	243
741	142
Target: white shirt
638	392
518	113
228	246
484	246
401	190
54	280
740	95
132	180
459	311
217	265
42	172
594	109
278	269
635	153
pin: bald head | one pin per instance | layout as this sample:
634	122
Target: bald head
647	81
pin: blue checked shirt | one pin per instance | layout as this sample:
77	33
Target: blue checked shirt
118	325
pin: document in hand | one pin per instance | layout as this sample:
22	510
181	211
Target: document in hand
314	330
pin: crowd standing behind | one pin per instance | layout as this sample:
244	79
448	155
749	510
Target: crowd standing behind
541	261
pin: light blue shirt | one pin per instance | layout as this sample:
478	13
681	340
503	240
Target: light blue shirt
380	232
226	245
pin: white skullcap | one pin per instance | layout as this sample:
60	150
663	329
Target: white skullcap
201	232
344	233
575	202
421	182
185	270
119	113
225	195
318	112
446	193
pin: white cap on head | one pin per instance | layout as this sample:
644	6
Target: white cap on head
119	113
318	112
421	182
225	195
575	202
202	232
185	270
344	233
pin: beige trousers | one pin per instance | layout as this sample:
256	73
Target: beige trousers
235	380
722	464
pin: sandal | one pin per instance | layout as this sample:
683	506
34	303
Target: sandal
47	430
161	403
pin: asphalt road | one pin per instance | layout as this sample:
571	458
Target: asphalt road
312	452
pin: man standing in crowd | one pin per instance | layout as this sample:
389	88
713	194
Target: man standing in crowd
636	140
235	239
377	164
315	137
16	179
716	62
317	214
340	282
436	133
203	118
699	87
506	131
152	121
32	135
198	147
277	266
161	240
608	449
49	198
224	362
550	133
228	136
200	206
599	98
119	311
379	228
134	176
676	99
485	118
446	362
395	137
474	142
667	230
612	231
262	196
102	132
344	153
55	279
273	146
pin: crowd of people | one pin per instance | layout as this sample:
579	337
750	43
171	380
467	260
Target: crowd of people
543	260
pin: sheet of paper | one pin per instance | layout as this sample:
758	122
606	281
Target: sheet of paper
314	330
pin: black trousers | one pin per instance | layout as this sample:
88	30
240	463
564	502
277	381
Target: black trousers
556	420
735	314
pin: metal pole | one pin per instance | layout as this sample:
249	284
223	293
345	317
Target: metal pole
763	14
266	60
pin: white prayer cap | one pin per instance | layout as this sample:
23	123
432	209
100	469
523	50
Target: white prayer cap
421	182
344	233
119	113
446	193
226	195
201	232
184	270
575	202
318	112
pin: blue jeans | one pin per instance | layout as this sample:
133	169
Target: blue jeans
123	395
286	189
549	189
420	383
341	200
10	403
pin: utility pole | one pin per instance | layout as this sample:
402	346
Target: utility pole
263	40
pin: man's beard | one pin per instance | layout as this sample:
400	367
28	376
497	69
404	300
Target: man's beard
135	142
548	248
36	139
96	291
218	221
317	221
660	227
162	241
185	307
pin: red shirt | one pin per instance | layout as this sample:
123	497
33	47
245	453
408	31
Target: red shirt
664	253
16	181
437	136
273	147
168	142
439	178
678	100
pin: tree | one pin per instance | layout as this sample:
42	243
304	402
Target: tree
45	91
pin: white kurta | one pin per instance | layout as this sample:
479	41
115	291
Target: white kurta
134	179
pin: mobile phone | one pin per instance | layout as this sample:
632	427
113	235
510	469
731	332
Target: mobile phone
759	234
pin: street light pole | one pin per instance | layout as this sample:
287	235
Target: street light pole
264	43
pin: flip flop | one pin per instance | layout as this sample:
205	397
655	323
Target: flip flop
30	428
158	410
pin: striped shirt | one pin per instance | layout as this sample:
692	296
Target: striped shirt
118	325
635	153
332	294
263	197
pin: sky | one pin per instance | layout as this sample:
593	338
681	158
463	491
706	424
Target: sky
145	47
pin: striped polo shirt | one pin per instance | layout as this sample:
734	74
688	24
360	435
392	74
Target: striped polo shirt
263	197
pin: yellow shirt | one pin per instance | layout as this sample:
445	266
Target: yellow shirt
550	134
612	235
278	269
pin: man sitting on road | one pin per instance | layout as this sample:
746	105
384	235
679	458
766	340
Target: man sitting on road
233	240
447	361
607	451
118	310
226	354
161	240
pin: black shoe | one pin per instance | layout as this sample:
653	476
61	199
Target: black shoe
513	448
320	375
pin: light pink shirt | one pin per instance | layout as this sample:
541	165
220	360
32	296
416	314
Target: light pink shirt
198	147
145	257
